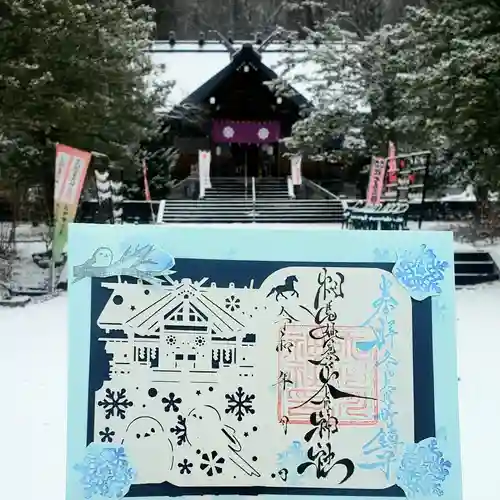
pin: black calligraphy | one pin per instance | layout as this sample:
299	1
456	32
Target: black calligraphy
283	474
329	287
324	424
284	422
323	460
288	317
283	380
322	427
283	343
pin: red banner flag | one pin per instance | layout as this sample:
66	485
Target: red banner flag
146	183
392	162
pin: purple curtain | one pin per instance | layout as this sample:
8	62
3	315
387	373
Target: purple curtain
246	132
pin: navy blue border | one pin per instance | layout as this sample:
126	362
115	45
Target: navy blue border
240	273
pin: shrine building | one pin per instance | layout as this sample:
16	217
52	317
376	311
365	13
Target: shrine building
239	119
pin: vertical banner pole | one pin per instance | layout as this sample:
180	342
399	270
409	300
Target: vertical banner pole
52	275
424	190
246	171
70	171
147	192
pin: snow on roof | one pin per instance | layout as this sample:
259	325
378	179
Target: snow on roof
190	66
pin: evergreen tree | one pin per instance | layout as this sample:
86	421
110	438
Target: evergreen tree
75	72
448	58
351	78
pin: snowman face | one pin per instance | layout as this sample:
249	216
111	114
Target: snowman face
143	428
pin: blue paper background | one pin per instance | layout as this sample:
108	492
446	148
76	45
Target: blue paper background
271	246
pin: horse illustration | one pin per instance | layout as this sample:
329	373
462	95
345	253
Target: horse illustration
288	287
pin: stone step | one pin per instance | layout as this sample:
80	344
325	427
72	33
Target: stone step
249	206
236	220
260	207
280	199
249	215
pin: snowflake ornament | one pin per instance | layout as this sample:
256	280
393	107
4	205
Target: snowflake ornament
115	403
263	133
228	132
172	402
233	303
423	469
240	404
105	472
106	435
212	463
185	466
180	430
420	272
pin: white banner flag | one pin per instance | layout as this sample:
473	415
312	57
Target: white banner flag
296	166
204	159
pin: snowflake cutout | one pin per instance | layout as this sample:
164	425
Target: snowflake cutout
115	403
263	133
200	341
421	273
423	469
228	132
106	435
171	403
105	472
180	430
212	463
185	466
233	303
240	404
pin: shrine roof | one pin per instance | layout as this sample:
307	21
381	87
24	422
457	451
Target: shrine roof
192	67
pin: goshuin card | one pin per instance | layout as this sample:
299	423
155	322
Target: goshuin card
230	360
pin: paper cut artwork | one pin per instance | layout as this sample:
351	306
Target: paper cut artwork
246	376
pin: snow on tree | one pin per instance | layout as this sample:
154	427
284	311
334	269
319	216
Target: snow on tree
448	59
351	78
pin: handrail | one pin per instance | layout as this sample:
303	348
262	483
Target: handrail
176	188
328	194
254	198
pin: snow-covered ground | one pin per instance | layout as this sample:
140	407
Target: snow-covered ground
33	365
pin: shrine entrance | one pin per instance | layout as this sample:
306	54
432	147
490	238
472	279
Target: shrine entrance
253	160
246	149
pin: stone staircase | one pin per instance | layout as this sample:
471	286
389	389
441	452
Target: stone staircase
472	268
230	200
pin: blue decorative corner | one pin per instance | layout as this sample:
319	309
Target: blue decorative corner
144	262
423	470
105	472
420	272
